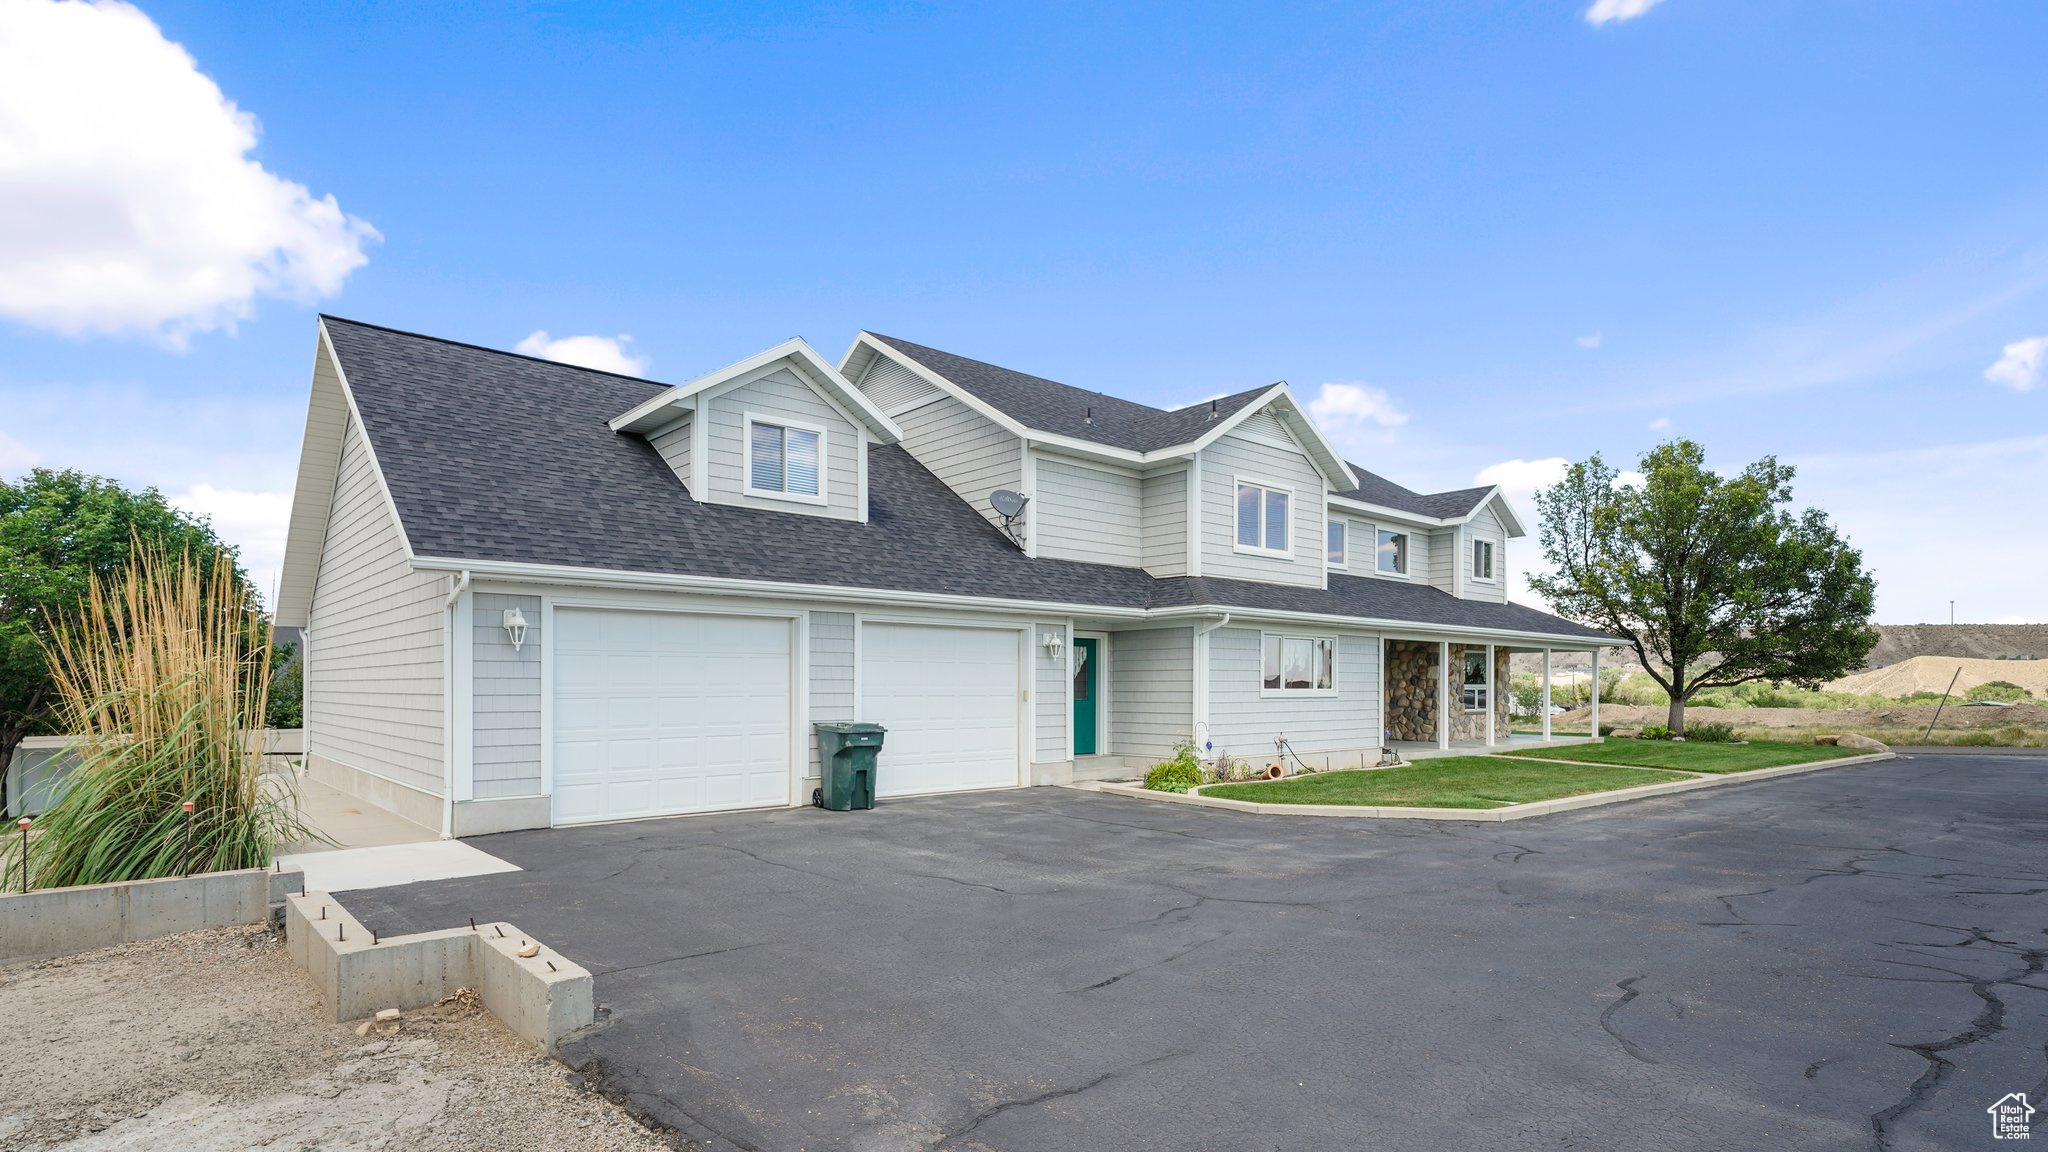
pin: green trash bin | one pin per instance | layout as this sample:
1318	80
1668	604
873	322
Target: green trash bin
846	759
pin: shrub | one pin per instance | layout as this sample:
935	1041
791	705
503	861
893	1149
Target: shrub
2004	691
287	705
1654	732
162	678
1179	773
1710	733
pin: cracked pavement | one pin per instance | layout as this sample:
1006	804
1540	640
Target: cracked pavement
1848	959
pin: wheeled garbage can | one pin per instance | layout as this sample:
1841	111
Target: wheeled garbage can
846	760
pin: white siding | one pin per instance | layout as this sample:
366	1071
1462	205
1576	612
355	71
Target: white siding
1245	723
1222	464
505	750
673	442
1050	684
374	693
965	450
894	388
781	394
1443	559
1164	529
1152	690
831	678
1485	525
1086	513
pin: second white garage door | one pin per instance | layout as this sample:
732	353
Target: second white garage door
949	698
658	713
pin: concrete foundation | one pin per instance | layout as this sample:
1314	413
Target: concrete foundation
65	921
483	817
421	808
541	998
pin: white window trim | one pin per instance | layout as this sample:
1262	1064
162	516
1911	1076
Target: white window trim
1408	552
1492	555
1336	668
747	422
1244	549
1344	526
1486	685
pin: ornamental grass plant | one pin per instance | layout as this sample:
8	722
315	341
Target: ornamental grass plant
164	680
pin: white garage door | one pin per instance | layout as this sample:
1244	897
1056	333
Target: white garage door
659	712
948	697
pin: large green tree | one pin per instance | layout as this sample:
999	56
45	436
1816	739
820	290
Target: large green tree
57	529
1712	578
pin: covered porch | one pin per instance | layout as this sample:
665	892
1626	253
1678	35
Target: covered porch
1420	675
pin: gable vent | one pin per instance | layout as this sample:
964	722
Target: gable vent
895	388
1265	426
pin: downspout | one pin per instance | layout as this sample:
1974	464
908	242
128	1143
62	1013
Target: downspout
1201	685
458	585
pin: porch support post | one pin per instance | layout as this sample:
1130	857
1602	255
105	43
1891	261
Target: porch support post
1443	695
1546	696
1491	699
1596	695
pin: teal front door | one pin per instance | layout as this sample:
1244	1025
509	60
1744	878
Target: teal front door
1085	691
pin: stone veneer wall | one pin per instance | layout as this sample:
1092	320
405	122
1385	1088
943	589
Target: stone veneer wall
1411	682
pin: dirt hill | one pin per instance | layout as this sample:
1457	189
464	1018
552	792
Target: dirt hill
1933	673
1978	641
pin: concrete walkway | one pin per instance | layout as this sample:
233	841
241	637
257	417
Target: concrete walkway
369	847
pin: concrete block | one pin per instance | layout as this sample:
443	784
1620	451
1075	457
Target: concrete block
62	921
484	817
541	999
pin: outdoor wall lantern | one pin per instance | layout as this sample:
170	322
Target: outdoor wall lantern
515	627
1053	643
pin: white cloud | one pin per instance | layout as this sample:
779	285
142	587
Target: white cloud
2020	367
1629	478
255	522
1343	405
1660	423
604	353
1588	342
128	201
1604	11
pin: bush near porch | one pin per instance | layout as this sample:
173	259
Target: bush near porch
1446	782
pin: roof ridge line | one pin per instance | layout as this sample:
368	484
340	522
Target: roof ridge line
495	351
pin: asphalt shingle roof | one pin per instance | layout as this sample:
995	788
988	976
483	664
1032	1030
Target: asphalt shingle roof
1376	489
499	457
1064	410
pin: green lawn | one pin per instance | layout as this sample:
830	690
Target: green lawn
1691	757
1447	782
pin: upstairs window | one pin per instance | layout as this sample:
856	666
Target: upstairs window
1336	545
785	460
1295	664
1393	553
1482	559
1262	512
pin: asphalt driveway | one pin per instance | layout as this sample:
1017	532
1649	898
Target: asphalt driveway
1850	959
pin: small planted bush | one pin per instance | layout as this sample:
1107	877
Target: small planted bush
2002	691
1714	733
1179	773
1654	732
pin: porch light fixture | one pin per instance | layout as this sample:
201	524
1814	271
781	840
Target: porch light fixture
515	627
1053	644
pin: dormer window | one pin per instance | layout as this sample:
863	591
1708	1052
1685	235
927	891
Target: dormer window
785	459
1393	553
1262	512
1482	559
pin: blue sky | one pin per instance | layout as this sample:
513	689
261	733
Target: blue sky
1517	234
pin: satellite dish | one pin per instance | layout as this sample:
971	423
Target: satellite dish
1009	505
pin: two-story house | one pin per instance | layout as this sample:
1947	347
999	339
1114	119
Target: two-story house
538	594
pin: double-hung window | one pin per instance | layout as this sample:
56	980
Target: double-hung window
1482	559
1262	512
1477	681
1393	553
785	460
1299	664
1336	544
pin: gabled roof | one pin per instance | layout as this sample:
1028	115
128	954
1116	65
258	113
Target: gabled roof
509	465
1451	507
1062	415
797	355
